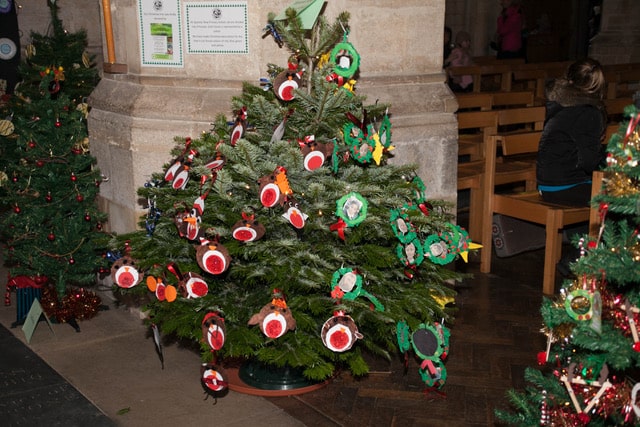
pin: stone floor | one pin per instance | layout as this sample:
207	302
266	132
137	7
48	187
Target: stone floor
109	371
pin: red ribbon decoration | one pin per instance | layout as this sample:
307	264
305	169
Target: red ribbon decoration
339	227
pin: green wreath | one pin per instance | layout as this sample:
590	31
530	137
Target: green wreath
399	220
345	49
418	256
352	208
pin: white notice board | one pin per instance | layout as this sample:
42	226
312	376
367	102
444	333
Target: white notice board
160	33
217	27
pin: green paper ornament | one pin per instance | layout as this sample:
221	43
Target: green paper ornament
410	253
352	208
438	251
349	281
346	59
401	226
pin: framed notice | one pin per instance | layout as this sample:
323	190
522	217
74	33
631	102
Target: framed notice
160	33
217	27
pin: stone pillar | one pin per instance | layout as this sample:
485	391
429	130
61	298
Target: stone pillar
136	114
617	41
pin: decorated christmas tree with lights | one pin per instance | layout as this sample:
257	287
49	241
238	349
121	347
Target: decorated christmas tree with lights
284	236
589	370
51	225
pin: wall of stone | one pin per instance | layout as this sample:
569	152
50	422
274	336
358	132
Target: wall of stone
136	113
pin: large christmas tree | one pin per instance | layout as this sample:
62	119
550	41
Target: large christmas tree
51	225
589	374
284	235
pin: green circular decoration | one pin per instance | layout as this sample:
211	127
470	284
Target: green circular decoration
404	338
349	282
352	208
360	146
429	341
438	251
346	59
353	135
401	226
412	249
352	287
575	295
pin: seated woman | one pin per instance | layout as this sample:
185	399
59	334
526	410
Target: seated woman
571	146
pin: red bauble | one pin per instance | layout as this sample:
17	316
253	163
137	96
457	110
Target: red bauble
87	217
48	198
14	178
51	237
32	144
72	261
74	178
58	123
39	163
79	197
99	226
636	346
17	209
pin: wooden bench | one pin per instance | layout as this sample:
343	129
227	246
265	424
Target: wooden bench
485	101
622	79
500	73
527	206
512	120
615	108
513	98
478	124
534	76
471	101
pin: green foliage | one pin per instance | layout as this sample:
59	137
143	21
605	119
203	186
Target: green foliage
50	222
582	349
59	48
298	263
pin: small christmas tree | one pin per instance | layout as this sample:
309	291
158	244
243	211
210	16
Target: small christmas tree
51	225
284	235
589	374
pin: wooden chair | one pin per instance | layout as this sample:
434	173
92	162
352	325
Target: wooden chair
471	177
474	101
479	124
521	119
615	108
619	81
511	99
527	206
534	76
499	72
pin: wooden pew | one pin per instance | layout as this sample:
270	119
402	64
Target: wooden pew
471	101
521	119
615	108
534	76
520	98
477	125
527	206
621	79
500	73
485	101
